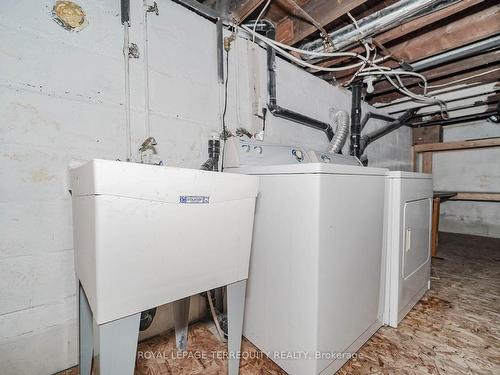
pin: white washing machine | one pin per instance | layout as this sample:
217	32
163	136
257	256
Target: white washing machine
313	294
407	242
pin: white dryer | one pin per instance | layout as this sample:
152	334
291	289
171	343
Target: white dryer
407	242
313	294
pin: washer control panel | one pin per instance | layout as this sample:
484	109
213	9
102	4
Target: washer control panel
259	153
241	152
321	157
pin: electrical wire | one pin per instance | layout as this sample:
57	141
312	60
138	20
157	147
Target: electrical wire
224	111
274	43
258	18
147	121
276	46
328	40
368	66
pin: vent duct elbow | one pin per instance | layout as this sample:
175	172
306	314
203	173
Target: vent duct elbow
341	118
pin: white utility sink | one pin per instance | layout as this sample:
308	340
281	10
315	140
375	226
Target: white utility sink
147	235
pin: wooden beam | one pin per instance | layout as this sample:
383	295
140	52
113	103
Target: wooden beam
426	162
323	11
460	145
242	9
425	21
413	159
436	206
413	26
444	75
471	28
476	26
456	67
476	196
487	78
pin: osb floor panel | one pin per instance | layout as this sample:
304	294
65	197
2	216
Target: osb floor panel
455	329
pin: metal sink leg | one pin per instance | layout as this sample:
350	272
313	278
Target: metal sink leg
181	319
235	309
85	336
115	347
112	345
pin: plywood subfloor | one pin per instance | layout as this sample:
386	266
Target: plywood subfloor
455	329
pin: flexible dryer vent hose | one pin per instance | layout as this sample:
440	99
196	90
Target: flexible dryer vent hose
341	119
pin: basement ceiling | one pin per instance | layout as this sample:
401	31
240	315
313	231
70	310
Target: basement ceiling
420	42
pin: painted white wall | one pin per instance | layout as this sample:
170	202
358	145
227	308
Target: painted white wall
465	170
469	170
62	101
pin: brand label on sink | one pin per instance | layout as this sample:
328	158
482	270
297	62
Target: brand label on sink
194	199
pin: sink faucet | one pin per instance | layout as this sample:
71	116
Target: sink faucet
148	144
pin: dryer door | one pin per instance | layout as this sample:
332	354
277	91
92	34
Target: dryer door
416	236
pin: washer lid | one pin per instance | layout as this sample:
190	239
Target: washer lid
411	175
309	168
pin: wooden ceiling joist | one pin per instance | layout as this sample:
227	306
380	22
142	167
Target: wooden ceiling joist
241	9
465	66
323	11
455	26
469	29
413	26
489	77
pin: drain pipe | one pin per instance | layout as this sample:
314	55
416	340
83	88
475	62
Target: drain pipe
377	116
357	88
379	133
457	53
212	163
272	104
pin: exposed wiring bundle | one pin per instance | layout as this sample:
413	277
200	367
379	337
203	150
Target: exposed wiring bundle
368	67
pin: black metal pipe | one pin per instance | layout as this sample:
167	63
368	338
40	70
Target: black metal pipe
272	103
302	119
220	50
377	116
125	11
354	149
456	120
212	163
379	133
199	8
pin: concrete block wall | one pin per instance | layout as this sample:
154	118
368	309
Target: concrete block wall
62	102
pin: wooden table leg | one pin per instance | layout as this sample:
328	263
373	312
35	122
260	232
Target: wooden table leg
436	206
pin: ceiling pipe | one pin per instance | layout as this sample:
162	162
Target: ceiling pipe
457	120
387	18
457	53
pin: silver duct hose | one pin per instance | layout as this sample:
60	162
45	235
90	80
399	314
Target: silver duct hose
389	17
341	118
